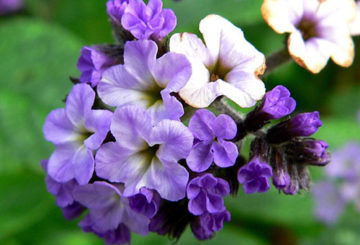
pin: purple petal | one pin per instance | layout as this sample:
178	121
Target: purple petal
214	204
200	157
73	211
97	121
79	103
224	127
169	24
252	186
225	153
197	206
200	124
83	165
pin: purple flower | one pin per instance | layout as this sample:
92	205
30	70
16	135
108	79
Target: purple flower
255	176
345	163
9	6
205	194
92	63
303	124
149	21
145	155
329	202
277	103
76	131
146	202
205	225
108	209
116	9
146	81
63	193
120	235
307	151
317	30
210	143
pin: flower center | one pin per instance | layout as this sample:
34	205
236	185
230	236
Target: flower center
219	71
153	95
307	28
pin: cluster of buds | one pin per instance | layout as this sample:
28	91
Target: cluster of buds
133	154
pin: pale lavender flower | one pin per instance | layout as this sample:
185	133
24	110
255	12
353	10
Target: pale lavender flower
255	176
355	24
205	194
76	131
303	124
146	202
318	30
63	193
92	63
205	225
146	81
10	6
345	163
211	141
151	21
116	8
108	209
277	103
227	66
145	155
329	202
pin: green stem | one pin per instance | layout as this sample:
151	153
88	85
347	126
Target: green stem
277	59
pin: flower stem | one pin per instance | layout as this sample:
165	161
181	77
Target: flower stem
277	59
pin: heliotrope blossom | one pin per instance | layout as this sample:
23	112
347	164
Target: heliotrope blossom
205	194
228	65
108	209
318	30
212	141
146	202
146	81
92	63
76	132
255	176
145	155
148	21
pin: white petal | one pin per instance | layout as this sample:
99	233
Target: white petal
355	24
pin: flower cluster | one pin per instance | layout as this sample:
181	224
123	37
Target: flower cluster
133	154
341	185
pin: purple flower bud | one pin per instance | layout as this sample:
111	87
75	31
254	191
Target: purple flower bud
146	202
205	194
92	63
149	21
277	103
308	151
205	225
280	177
116	9
255	176
73	211
292	188
304	124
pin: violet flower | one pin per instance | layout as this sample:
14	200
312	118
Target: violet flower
147	81
108	209
205	225
151	21
10	6
146	202
92	63
211	141
318	30
116	8
228	65
255	176
205	194
76	131
303	124
145	155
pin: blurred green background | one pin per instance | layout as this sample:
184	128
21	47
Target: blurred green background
39	48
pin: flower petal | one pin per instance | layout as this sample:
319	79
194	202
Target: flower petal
201	125
200	157
224	127
225	153
97	121
83	165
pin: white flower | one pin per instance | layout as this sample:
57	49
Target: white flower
355	24
319	29
228	65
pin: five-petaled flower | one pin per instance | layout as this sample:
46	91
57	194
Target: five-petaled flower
318	30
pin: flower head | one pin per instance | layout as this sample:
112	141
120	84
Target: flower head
92	63
146	81
228	65
205	194
303	124
146	202
151	21
318	30
116	8
145	155
255	176
205	225
76	131
211	134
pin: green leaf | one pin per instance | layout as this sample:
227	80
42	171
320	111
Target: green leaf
39	59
